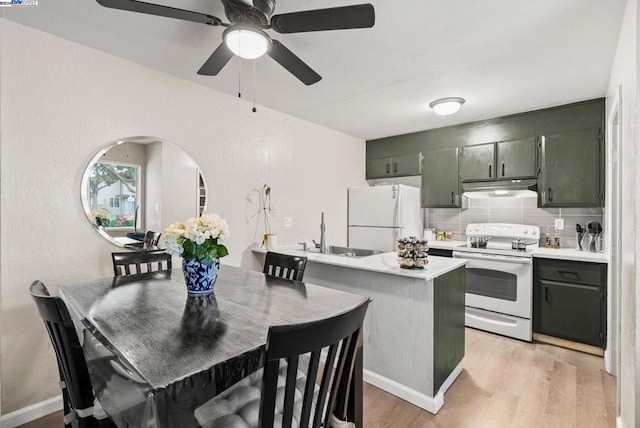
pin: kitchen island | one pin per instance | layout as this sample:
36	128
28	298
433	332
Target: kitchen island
414	329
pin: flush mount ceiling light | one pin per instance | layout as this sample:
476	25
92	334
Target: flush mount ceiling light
246	42
447	106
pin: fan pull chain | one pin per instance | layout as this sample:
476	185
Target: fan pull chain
239	76
254	87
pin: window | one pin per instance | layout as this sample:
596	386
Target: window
113	193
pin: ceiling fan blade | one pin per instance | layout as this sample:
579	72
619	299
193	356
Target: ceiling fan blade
216	62
159	10
334	18
293	64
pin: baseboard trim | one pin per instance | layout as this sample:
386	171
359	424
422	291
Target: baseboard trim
619	422
430	404
30	413
556	341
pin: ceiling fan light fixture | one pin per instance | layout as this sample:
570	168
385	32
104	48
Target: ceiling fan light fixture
246	42
447	106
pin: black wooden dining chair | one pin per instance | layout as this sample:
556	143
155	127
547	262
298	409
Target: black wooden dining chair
122	391
284	266
137	262
77	391
284	393
150	242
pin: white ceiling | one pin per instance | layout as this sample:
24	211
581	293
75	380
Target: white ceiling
502	56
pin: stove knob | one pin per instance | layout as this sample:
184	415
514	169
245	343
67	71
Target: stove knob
525	231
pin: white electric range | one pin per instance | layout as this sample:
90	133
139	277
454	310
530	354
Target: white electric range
499	278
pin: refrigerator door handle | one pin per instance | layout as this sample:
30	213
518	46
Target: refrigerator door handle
398	210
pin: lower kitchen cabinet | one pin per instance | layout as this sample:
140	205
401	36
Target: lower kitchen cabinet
569	300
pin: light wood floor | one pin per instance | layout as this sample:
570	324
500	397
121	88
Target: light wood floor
505	383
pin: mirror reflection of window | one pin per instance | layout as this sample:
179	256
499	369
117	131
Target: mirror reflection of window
141	184
113	187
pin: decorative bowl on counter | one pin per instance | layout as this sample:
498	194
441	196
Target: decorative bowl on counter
412	252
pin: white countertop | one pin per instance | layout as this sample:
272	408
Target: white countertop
570	254
542	252
383	263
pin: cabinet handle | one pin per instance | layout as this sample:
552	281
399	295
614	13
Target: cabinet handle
489	171
550	195
503	169
388	168
546	294
452	201
395	167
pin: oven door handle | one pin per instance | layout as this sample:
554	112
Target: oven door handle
506	259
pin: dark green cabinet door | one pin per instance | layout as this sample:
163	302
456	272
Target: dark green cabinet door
406	165
378	167
440	181
569	300
516	159
571	170
478	162
570	311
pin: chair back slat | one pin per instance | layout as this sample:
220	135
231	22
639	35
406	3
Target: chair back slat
269	392
291	341
324	386
309	389
135	262
289	391
344	370
284	266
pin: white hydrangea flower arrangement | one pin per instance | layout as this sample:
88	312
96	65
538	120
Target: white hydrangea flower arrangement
198	238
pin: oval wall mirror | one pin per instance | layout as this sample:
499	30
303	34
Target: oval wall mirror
138	185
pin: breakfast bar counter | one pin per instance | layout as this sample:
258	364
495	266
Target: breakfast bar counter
413	332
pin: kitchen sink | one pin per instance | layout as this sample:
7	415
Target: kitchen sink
352	252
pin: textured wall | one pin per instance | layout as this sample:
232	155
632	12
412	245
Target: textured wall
512	210
624	72
61	102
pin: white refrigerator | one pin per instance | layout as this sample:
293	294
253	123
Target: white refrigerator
379	215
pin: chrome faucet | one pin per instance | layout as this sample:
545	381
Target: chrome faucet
323	243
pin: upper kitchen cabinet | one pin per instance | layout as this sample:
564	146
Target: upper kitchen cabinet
505	160
571	169
516	159
478	162
440	181
393	166
568	169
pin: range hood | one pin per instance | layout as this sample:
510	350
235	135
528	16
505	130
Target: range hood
503	188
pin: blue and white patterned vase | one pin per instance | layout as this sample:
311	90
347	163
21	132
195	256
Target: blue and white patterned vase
200	278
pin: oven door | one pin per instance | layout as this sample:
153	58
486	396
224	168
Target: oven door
498	283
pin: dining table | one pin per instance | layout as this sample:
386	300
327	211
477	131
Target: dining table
177	351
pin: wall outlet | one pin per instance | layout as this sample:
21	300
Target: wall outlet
288	221
560	223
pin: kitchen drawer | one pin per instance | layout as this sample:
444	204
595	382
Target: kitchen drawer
570	271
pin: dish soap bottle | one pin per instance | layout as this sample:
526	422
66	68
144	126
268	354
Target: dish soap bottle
549	239
556	240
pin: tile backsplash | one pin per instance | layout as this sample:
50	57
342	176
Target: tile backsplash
511	210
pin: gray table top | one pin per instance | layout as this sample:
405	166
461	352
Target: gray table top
151	323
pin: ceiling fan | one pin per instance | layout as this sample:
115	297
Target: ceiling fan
245	37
